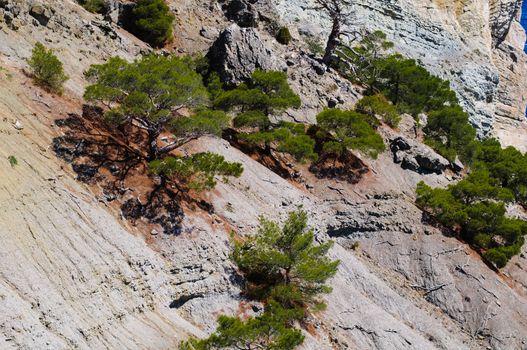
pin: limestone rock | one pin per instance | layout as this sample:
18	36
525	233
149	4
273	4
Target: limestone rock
417	157
241	12
40	13
487	71
238	52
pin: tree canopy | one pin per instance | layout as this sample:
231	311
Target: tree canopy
352	130
198	171
152	22
378	106
286	271
475	209
265	94
268	92
282	262
149	92
449	132
47	69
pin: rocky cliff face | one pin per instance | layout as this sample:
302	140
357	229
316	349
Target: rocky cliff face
74	274
476	44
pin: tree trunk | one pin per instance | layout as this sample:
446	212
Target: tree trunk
333	41
153	150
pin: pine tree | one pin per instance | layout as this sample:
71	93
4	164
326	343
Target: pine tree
196	172
148	93
283	263
378	106
152	22
351	130
267	93
47	69
286	271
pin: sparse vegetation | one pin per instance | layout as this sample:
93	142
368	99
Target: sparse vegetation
12	161
47	69
95	6
152	22
314	46
283	36
286	271
352	130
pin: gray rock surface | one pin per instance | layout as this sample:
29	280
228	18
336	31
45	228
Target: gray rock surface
472	43
238	52
416	156
74	275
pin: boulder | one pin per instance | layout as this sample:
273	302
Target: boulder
238	52
457	165
417	157
241	12
40	13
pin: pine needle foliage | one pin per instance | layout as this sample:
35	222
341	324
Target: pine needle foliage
46	69
352	130
286	271
152	22
475	208
196	172
283	262
148	92
95	6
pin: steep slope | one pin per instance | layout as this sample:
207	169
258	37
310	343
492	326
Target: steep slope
477	45
73	274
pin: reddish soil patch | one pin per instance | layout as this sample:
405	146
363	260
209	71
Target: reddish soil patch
112	158
346	167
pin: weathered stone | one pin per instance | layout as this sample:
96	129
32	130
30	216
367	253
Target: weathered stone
457	165
41	14
241	12
238	52
436	34
417	157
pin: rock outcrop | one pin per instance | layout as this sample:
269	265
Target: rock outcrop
476	44
73	274
238	52
416	156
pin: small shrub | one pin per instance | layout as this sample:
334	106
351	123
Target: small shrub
284	36
229	207
378	106
95	6
152	22
47	69
12	161
314	46
351	129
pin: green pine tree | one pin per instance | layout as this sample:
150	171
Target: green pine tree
46	69
286	271
148	92
352	130
152	22
283	262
